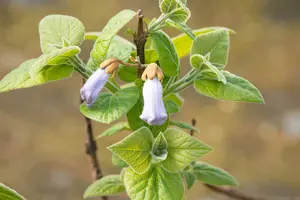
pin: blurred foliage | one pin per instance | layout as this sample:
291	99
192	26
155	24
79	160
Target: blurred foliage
43	157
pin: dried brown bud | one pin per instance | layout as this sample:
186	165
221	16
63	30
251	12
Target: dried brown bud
152	71
111	65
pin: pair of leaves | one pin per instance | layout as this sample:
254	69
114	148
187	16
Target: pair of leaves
207	174
7	193
110	107
182	149
49	67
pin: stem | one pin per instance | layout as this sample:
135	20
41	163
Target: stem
140	40
91	151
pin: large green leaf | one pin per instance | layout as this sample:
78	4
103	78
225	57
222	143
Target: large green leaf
113	26
168	58
107	186
214	43
117	161
182	150
184	125
7	193
110	107
55	30
121	126
171	106
20	77
176	98
213	175
155	184
52	60
135	149
183	42
236	89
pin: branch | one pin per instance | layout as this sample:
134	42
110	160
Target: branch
91	151
140	39
229	192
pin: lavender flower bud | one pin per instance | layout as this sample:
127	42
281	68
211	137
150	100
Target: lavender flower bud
91	89
154	112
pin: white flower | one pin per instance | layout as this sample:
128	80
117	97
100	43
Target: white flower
154	112
91	89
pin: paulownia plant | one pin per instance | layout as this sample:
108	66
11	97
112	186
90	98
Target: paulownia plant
158	159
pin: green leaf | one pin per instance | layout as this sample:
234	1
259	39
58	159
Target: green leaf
184	125
212	175
52	60
20	77
110	107
107	186
182	150
155	184
7	193
135	149
117	161
159	149
127	74
190	178
215	43
171	106
168	58
117	22
176	98
56	29
236	89
151	55
176	10
182	27
197	61
120	48
121	126
183	42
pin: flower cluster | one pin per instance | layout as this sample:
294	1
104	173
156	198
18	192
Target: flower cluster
154	112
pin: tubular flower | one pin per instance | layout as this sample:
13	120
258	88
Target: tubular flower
92	87
154	112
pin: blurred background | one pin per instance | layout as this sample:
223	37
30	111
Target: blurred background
42	131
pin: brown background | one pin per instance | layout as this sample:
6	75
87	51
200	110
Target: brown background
41	135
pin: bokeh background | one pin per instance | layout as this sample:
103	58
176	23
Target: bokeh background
42	131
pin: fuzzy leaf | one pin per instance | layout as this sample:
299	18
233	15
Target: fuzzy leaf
117	161
113	26
52	60
212	175
155	184
190	179
7	193
168	58
183	42
182	150
135	149
216	44
171	106
107	186
20	77
176	98
55	30
182	27
159	149
176	9
236	89
110	107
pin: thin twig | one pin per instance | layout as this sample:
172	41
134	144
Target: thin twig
233	193
91	151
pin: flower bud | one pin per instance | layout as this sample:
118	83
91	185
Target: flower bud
91	89
152	71
154	112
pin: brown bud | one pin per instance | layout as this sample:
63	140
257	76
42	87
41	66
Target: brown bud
152	71
111	65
